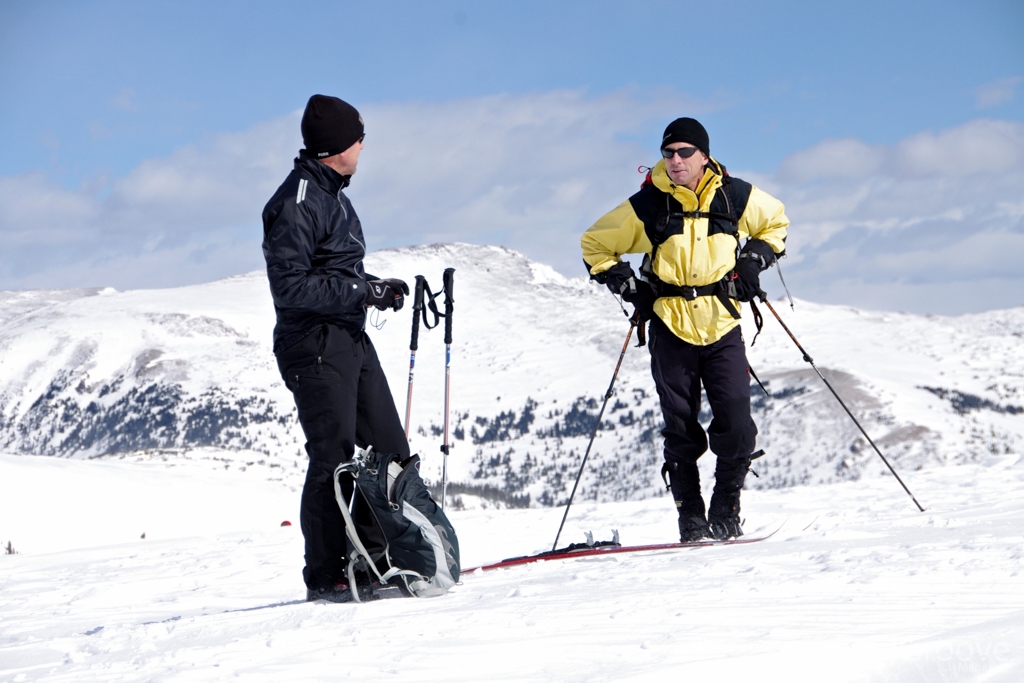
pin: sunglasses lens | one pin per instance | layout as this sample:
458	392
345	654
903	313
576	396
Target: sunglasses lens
684	153
687	152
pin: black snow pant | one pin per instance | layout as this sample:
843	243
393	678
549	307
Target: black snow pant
344	401
679	369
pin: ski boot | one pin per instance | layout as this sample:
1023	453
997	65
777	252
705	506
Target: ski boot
341	589
692	527
339	592
724	521
683	480
724	511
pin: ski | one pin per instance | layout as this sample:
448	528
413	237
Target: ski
613	548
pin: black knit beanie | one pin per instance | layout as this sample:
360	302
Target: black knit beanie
329	126
689	131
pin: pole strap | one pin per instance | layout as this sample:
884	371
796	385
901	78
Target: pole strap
759	324
641	333
430	302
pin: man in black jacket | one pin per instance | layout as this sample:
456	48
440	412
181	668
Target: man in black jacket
314	247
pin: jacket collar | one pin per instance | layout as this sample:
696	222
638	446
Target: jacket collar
691	201
326	178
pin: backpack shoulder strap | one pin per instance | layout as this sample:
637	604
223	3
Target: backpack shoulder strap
662	215
739	194
646	204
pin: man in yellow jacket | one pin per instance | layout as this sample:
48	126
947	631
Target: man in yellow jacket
707	237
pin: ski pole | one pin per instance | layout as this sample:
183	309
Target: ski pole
417	308
633	322
808	358
449	281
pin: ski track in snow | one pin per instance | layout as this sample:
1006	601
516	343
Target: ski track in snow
857	586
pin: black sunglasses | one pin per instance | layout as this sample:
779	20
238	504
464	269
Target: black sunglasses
683	152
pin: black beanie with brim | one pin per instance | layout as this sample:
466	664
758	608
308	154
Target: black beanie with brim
689	131
329	126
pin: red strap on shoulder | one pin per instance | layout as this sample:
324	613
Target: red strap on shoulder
647	178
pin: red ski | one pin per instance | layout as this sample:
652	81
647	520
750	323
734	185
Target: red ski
581	550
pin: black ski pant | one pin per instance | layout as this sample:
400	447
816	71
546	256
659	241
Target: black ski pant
344	401
679	369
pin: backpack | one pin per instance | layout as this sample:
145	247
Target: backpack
394	527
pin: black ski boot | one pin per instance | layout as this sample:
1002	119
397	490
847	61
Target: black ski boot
724	522
339	592
683	480
692	528
724	511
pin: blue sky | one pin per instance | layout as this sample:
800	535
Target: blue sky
138	141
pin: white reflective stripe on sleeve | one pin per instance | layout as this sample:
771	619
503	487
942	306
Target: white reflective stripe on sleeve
301	194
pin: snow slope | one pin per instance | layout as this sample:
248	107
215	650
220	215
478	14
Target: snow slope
856	586
153	549
188	373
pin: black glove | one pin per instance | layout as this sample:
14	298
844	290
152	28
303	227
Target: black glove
621	280
756	257
748	280
761	252
617	278
642	298
385	294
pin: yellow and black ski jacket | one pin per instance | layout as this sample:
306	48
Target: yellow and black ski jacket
688	251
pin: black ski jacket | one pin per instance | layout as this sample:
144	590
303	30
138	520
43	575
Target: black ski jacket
314	247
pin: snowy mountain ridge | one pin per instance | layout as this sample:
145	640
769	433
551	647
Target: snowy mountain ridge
189	373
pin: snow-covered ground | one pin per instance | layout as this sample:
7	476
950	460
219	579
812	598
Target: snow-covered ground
855	586
152	547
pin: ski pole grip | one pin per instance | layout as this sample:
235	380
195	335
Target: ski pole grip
417	308
449	281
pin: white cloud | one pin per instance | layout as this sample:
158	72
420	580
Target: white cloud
529	172
166	213
914	225
920	228
34	211
847	158
997	92
980	146
124	100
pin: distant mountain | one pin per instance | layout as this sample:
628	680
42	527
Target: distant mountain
189	372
